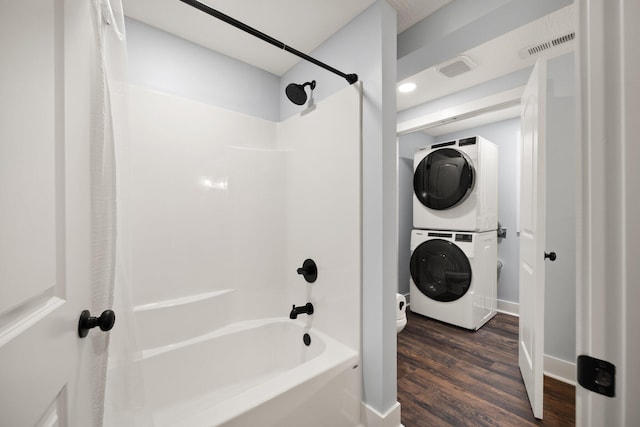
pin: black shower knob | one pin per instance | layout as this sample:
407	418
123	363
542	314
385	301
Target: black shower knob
309	270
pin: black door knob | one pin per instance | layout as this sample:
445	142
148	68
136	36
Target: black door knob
104	322
551	255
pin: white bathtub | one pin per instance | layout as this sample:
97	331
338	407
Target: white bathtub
254	373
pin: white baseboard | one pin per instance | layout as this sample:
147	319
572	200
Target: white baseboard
508	307
560	370
373	418
556	368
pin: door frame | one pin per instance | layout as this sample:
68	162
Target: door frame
558	369
606	298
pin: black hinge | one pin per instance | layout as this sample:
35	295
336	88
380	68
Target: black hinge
597	375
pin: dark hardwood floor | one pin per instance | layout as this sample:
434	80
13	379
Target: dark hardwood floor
449	376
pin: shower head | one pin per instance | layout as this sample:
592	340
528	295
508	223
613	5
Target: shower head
296	92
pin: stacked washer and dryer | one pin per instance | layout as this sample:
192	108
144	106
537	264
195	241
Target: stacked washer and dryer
454	246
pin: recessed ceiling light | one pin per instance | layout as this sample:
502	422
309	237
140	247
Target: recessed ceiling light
407	87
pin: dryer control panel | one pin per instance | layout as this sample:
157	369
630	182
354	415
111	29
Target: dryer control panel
464	237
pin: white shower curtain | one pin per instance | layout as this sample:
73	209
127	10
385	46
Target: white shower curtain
119	389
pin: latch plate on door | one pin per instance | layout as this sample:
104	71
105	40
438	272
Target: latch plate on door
597	375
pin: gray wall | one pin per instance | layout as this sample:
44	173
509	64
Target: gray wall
164	62
367	46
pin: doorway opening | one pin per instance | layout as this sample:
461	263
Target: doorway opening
497	118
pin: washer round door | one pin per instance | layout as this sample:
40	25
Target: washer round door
443	179
440	270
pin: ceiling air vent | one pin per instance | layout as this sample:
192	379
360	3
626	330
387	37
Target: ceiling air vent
455	67
563	39
546	45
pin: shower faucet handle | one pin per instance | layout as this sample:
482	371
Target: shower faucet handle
309	270
105	322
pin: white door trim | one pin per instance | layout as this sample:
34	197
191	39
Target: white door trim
608	228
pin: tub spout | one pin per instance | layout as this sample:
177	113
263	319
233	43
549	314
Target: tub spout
304	309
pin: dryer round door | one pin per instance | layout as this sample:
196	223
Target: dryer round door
443	179
440	270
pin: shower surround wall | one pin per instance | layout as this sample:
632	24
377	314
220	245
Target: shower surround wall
366	45
205	183
323	213
225	207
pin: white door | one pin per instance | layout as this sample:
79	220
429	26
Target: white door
532	228
44	212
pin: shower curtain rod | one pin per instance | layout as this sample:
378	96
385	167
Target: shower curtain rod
351	78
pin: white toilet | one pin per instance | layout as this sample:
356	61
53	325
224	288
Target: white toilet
401	312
